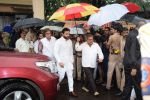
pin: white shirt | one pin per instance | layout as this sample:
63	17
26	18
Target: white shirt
89	54
63	52
22	45
48	47
36	44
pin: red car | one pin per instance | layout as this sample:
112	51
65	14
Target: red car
24	76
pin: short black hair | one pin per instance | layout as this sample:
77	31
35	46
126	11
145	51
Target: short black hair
117	26
89	35
65	29
38	34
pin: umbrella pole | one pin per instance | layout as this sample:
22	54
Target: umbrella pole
75	24
76	27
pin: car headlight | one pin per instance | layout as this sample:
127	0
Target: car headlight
43	66
47	66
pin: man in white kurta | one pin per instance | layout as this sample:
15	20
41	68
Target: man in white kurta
46	45
22	45
63	52
91	53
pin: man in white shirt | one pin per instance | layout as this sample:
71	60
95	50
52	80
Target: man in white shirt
46	45
36	43
22	44
63	52
91	53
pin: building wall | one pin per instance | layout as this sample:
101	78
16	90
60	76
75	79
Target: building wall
38	8
9	8
17	2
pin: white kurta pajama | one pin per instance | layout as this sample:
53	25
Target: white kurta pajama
48	47
63	52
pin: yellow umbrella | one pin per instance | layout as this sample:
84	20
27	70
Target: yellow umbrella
76	10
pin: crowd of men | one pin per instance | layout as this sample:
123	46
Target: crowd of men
90	57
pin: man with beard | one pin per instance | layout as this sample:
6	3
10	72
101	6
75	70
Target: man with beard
132	65
36	43
63	52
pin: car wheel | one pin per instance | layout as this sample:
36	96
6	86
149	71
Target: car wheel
18	91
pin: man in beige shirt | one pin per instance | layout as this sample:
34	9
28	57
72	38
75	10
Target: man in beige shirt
121	66
114	45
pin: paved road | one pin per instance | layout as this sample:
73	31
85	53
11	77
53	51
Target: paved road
105	95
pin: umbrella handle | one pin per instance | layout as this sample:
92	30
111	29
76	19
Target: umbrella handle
75	24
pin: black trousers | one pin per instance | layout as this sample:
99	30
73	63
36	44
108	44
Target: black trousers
130	83
89	82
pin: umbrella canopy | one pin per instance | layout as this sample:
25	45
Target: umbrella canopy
50	23
72	11
53	28
145	30
144	37
132	7
29	22
133	19
108	14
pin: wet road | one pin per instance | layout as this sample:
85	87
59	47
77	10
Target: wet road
105	95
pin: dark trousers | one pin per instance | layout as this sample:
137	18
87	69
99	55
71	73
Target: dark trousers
89	82
132	82
105	66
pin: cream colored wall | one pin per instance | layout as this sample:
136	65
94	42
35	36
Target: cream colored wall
38	8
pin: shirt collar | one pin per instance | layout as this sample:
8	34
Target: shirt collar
88	44
64	39
22	39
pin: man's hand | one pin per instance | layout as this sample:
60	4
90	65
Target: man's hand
100	60
133	72
61	65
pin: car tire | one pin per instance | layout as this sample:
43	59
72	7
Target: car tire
18	86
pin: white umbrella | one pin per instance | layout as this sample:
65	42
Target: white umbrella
75	30
53	28
108	14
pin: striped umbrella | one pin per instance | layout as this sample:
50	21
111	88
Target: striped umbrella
72	11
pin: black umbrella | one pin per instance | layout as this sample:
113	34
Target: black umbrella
132	19
50	23
29	22
35	22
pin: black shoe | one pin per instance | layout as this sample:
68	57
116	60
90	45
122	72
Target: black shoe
118	94
73	94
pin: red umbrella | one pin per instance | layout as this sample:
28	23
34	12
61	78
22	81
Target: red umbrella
132	7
